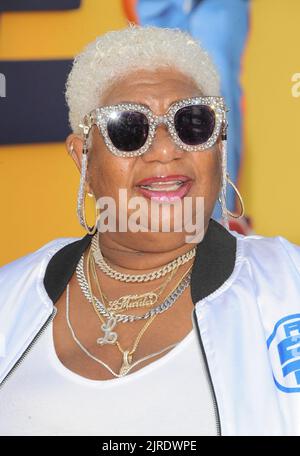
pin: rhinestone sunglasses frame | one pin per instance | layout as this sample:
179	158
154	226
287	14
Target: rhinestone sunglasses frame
101	115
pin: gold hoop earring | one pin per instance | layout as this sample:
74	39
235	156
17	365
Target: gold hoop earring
86	226
82	187
239	197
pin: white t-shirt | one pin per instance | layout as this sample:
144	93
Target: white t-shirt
168	397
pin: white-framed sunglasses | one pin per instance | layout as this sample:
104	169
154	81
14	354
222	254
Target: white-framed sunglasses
128	129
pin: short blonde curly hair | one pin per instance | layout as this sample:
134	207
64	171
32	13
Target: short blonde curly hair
117	53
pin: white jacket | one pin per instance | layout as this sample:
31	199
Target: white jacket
246	292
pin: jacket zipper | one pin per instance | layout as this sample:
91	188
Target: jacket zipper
208	376
32	343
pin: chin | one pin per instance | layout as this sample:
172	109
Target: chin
155	242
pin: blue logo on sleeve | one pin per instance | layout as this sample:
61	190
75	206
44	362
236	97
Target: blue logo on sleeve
284	348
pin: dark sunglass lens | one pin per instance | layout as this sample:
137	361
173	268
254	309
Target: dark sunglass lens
195	124
128	130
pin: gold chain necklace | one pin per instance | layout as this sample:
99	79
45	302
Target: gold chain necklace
161	272
126	302
127	354
99	361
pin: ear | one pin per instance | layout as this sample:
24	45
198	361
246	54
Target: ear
74	145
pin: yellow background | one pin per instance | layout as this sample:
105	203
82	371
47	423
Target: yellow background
38	183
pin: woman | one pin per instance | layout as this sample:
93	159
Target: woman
143	332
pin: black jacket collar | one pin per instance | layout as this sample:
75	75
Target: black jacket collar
214	263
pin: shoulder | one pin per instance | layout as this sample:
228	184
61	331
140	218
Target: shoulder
25	266
268	253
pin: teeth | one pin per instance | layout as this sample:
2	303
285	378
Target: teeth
166	186
170	185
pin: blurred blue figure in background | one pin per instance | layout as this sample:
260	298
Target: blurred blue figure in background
222	27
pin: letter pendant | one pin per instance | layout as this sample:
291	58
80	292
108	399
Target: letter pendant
109	337
127	360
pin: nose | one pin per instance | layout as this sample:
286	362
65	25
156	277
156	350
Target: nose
163	149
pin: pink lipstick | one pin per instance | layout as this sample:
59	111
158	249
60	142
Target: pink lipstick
165	188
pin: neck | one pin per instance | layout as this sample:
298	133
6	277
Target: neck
144	259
